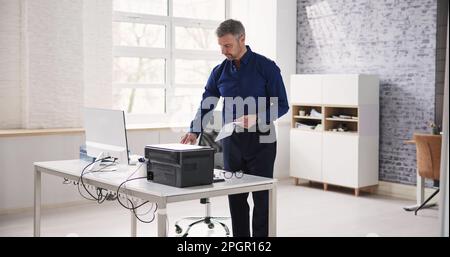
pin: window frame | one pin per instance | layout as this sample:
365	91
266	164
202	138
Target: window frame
169	53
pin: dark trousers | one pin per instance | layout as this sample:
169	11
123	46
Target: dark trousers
243	151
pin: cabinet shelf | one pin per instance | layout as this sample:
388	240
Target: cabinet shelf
344	120
307	118
343	133
331	123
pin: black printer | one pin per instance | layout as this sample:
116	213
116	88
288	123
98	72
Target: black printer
180	165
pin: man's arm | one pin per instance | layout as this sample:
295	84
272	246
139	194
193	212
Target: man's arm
277	105
208	103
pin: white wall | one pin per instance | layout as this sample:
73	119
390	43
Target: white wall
97	52
10	89
18	153
259	20
55	57
53	62
286	52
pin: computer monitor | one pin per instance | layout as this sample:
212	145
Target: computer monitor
106	135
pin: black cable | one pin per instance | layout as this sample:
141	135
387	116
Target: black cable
118	198
134	208
101	198
146	221
80	179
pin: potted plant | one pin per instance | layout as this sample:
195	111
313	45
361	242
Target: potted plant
435	130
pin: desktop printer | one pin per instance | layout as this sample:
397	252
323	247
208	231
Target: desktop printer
180	165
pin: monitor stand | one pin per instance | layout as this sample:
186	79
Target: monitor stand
103	165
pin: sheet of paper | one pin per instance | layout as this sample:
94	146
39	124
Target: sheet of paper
227	130
178	146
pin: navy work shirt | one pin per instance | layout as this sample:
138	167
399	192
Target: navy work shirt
257	77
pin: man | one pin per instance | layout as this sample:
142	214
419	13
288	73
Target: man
250	76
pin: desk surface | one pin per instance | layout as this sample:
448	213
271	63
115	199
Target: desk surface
115	178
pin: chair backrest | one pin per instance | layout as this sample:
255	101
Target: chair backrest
428	155
208	137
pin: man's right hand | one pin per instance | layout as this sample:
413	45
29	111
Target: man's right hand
189	139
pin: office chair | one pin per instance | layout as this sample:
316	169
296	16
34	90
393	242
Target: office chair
207	139
428	160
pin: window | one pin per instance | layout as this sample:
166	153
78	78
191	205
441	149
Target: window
164	51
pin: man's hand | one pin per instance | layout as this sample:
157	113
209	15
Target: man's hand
247	121
189	139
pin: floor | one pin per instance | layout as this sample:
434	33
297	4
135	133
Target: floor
304	210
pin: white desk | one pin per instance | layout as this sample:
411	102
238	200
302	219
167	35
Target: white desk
153	192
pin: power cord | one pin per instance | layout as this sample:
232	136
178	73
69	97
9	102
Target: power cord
100	197
130	201
99	191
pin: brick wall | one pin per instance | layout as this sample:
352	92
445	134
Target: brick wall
395	40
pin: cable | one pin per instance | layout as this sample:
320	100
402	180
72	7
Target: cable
130	202
118	198
101	197
80	179
146	221
134	208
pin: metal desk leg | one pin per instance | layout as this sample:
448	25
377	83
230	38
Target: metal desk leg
162	220
273	211
133	224
37	203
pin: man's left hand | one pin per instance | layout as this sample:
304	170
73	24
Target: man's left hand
247	121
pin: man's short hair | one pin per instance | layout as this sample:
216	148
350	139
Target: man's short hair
232	27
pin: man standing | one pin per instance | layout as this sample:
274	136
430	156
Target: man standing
255	96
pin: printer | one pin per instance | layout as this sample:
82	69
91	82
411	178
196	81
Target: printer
180	165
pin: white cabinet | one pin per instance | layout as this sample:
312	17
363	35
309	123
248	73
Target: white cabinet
306	89
335	129
340	89
340	160
305	155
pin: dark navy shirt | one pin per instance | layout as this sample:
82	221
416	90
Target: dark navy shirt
257	77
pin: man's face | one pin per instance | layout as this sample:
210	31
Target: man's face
232	47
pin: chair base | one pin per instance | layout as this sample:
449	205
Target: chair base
415	207
426	201
210	221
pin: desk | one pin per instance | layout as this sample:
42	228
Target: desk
153	192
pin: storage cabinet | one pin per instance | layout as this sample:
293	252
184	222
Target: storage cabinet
305	161
307	89
340	160
334	132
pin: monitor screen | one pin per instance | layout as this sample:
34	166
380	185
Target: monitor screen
106	133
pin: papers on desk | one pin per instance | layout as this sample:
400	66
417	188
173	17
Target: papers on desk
178	147
227	130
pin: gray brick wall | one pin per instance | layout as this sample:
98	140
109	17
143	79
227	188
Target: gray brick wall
395	39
